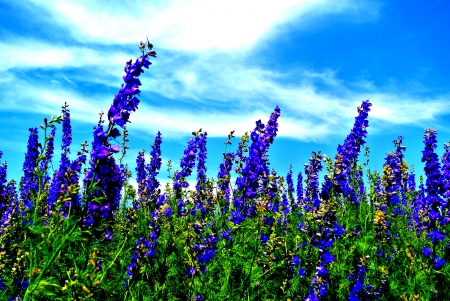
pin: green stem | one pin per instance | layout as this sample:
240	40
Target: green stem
112	263
49	263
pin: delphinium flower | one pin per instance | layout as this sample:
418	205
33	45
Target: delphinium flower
227	236
145	248
64	186
201	167
240	157
300	191
434	181
254	175
13	261
201	190
153	168
433	205
248	183
388	196
104	179
29	183
187	163
446	172
48	156
9	205
3	181
394	168
328	230
223	179
290	189
347	154
141	176
312	171
206	251
103	199
357	287
202	244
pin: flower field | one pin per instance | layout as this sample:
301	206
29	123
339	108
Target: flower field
80	231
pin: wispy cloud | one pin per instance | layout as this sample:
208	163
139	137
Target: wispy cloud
190	25
205	49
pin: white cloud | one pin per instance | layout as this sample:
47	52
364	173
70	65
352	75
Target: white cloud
46	55
232	94
195	25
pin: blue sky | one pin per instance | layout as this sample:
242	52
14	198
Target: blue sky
222	65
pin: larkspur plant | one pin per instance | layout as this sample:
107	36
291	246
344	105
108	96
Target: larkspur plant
355	235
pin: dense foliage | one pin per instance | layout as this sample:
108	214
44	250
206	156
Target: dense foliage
79	233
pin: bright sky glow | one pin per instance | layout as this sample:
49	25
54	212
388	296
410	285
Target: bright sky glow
222	65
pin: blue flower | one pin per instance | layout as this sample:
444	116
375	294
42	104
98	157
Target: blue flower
438	262
295	261
327	257
426	251
436	236
264	238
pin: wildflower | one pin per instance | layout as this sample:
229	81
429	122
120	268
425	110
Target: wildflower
438	262
295	261
191	272
226	235
141	175
300	189
348	153
264	238
104	196
48	155
154	166
223	178
426	251
432	169
446	171
29	182
255	173
327	257
312	171
436	236
201	157
187	163
198	297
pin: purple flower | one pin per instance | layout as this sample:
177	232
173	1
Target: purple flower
348	153
438	262
49	150
187	163
226	235
426	251
29	182
295	261
434	182
446	171
141	176
436	236
201	157
191	272
154	166
198	297
264	238
312	171
327	257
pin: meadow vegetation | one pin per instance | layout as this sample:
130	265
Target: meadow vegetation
80	231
